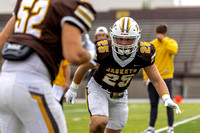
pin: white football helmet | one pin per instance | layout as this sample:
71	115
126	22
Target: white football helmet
126	28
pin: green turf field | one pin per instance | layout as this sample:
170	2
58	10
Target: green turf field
78	118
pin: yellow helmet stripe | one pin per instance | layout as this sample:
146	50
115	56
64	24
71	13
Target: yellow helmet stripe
128	25
122	25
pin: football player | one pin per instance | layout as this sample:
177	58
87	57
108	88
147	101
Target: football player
100	33
39	35
61	83
119	60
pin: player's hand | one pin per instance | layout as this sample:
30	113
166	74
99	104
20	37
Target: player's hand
169	103
90	46
70	95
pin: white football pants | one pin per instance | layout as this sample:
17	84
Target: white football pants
27	104
100	103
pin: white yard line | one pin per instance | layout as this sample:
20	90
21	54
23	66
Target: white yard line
178	123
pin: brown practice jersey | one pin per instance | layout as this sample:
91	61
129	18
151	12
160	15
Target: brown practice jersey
39	24
115	74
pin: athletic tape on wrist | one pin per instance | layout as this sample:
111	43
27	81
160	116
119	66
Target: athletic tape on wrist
74	85
165	96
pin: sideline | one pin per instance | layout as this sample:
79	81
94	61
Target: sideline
178	123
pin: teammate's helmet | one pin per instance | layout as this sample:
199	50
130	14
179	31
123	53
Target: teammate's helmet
126	28
101	30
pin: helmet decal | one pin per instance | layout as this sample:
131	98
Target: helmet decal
122	25
125	26
128	25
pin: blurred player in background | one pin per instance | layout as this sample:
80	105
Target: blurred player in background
119	59
166	48
100	33
61	83
39	35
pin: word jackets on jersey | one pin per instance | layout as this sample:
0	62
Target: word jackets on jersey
115	74
39	24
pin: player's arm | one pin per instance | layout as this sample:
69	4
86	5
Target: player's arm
80	73
72	47
145	77
149	54
7	31
160	86
156	80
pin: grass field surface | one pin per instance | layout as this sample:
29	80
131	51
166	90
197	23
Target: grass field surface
78	118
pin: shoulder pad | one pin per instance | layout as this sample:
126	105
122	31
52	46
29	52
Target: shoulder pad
76	12
147	51
103	48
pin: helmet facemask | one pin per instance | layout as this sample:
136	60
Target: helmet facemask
123	49
125	28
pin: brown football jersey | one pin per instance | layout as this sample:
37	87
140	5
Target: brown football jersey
39	24
115	74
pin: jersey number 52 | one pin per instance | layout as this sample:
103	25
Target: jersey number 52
31	13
